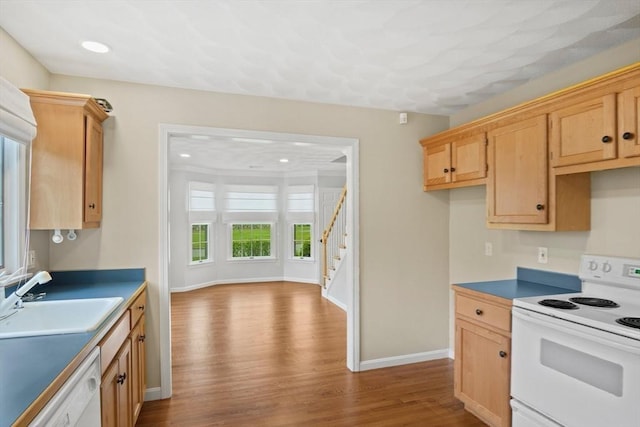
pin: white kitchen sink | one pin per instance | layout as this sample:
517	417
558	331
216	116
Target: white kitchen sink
58	317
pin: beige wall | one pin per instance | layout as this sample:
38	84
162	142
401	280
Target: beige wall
404	236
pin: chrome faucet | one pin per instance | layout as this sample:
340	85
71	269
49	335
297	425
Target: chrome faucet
15	299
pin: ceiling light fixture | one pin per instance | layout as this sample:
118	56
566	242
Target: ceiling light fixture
96	47
200	137
185	155
284	160
258	141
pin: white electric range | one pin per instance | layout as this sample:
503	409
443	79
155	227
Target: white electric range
576	357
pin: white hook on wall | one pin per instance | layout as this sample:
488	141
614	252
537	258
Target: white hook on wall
57	236
71	235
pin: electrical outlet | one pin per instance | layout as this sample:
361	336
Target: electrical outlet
488	248
31	262
543	255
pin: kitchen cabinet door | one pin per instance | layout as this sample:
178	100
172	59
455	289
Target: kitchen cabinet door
482	372
584	132
138	378
517	184
93	172
437	162
629	122
469	158
115	390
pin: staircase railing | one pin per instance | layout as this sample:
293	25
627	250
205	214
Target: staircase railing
333	237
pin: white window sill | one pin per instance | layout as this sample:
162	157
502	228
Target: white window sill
308	260
200	263
256	259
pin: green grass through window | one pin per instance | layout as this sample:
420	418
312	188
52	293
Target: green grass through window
302	240
251	240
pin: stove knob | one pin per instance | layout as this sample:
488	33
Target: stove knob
606	267
593	266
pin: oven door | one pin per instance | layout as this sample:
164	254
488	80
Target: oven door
576	375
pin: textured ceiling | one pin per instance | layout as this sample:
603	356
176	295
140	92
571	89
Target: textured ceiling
429	56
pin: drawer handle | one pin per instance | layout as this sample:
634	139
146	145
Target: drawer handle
478	312
141	307
606	139
503	354
141	338
92	206
627	136
121	378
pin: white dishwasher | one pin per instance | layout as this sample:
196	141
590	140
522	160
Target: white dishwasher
77	403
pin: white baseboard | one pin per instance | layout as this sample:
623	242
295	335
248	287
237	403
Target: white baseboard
226	282
386	362
452	354
340	304
153	393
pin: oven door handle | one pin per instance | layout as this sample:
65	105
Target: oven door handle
533	318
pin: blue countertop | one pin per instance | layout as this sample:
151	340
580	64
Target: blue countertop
528	283
29	364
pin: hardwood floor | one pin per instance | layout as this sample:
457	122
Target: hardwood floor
273	354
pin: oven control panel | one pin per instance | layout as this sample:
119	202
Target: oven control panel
633	271
614	270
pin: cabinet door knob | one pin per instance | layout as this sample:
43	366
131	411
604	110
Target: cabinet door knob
503	353
539	207
627	135
446	170
141	307
453	169
121	378
92	206
606	139
141	338
478	312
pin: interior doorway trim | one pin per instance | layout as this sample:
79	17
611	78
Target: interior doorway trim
349	147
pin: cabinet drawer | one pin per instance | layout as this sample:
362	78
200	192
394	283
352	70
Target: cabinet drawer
138	307
112	342
484	312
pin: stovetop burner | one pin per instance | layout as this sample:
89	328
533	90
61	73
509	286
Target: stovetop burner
633	322
556	303
594	302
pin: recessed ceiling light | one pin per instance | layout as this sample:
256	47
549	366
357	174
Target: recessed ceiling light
96	47
284	160
200	137
303	144
258	141
185	155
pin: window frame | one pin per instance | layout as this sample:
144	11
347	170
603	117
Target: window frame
14	208
209	242
292	241
272	242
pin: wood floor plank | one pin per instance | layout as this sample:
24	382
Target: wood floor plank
273	354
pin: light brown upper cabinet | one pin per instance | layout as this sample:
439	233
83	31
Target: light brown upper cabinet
540	153
66	168
629	122
458	163
595	134
584	132
517	183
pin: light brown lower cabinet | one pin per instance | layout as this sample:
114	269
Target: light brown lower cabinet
115	390
122	358
483	356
